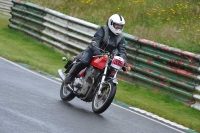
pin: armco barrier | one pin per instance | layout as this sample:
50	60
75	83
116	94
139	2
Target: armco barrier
155	65
5	6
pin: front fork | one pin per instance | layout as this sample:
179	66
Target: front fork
104	76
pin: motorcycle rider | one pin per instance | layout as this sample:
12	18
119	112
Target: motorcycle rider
108	38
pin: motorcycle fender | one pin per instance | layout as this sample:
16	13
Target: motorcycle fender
115	81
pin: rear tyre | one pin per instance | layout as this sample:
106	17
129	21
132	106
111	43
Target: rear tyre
65	93
101	102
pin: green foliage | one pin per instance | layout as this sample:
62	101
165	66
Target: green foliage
175	23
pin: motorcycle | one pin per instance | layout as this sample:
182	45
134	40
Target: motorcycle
97	83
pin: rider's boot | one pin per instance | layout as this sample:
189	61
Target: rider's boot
69	78
73	72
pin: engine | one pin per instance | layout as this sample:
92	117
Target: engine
84	84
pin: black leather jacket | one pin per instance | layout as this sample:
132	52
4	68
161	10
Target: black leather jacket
110	44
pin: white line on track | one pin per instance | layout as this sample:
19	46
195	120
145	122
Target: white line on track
131	109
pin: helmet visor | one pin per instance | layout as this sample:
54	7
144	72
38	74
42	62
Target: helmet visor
118	26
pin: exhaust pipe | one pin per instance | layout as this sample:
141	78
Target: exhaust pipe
60	73
62	76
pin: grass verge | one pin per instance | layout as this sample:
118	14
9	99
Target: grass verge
17	47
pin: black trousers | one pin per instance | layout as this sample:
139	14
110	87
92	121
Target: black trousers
84	58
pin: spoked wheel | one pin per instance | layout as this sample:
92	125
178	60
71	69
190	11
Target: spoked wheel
102	101
65	93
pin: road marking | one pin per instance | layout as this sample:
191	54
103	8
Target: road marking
29	70
134	110
139	112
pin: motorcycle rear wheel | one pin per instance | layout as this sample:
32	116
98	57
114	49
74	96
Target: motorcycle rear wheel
65	93
101	102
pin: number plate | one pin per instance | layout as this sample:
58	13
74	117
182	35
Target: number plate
117	62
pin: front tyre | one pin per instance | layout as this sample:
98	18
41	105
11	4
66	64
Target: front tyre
65	93
101	102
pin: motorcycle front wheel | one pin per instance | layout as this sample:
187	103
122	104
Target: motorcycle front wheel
102	101
65	93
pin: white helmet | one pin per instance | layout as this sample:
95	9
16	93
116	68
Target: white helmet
116	19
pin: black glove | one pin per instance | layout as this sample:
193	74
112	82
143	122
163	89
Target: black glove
124	68
95	49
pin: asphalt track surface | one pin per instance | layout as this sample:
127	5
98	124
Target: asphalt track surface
30	103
